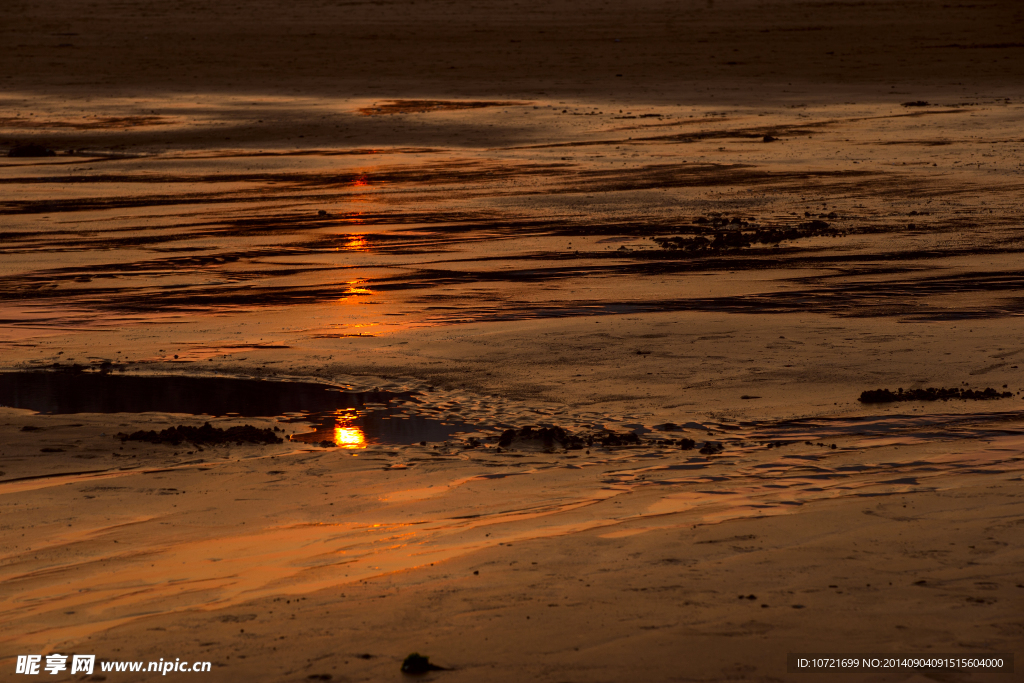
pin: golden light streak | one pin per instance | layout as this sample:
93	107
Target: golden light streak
356	243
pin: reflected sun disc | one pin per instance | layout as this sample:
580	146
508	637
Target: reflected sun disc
349	437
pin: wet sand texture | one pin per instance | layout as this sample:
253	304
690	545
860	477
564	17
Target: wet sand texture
673	336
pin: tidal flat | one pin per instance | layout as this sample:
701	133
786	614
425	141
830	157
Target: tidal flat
567	344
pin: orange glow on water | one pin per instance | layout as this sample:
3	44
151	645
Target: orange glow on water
356	243
354	291
349	437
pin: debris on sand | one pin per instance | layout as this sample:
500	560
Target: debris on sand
30	150
932	394
743	234
205	435
419	664
550	439
610	438
547	437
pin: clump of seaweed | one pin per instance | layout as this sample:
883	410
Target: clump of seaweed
745	235
932	394
553	438
206	434
549	437
556	437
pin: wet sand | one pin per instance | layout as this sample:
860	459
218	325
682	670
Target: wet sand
774	208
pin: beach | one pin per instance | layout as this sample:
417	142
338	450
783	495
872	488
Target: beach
575	342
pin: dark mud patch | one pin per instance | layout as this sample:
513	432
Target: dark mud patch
59	393
427	106
30	150
205	435
91	123
932	394
341	418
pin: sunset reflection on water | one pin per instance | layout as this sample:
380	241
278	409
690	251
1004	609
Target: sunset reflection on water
354	291
347	436
376	418
356	243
